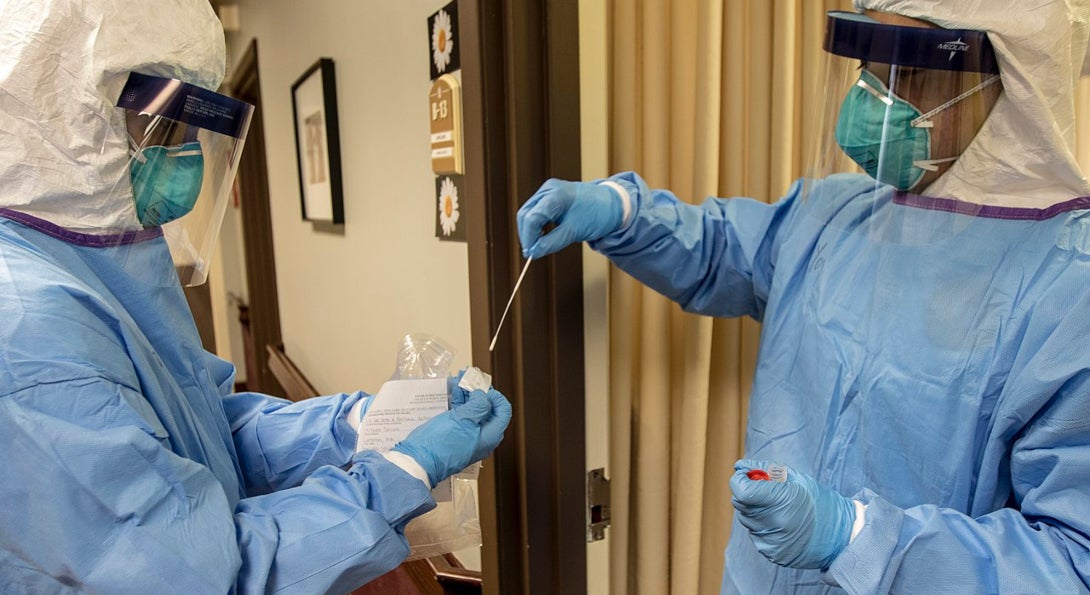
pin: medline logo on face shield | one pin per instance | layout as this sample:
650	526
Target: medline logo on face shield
953	47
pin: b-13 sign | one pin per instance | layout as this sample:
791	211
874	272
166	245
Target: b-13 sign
445	112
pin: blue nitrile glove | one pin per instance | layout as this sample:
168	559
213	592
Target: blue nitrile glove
450	441
798	523
582	211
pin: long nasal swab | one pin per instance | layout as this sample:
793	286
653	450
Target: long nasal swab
509	300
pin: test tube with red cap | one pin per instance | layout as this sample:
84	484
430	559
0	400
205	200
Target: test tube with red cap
775	472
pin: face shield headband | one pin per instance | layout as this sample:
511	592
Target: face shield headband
857	36
185	144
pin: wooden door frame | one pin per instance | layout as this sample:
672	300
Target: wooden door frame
264	303
520	75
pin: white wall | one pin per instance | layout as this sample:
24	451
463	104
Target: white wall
346	300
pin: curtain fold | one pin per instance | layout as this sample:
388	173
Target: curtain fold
707	98
625	141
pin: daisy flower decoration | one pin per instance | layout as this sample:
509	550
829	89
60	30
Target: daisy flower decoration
442	40
448	206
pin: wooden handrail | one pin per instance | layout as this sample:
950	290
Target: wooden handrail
289	376
450	571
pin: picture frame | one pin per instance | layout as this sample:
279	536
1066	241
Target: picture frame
317	143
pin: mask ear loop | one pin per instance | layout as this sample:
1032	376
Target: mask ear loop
924	121
870	89
153	123
137	148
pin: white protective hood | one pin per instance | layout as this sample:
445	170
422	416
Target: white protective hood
1024	155
64	152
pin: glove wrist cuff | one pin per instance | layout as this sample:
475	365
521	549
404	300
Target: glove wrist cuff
408	465
839	522
626	202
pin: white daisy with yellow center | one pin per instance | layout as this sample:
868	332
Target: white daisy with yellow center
448	206
442	40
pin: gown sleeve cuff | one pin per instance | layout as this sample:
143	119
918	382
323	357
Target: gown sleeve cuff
864	566
396	494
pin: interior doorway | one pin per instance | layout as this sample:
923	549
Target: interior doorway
259	311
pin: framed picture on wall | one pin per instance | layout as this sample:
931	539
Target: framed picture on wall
317	143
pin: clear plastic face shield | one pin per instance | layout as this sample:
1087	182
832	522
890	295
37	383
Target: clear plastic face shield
185	143
902	102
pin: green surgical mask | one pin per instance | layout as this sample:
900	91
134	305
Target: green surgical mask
887	136
876	130
166	181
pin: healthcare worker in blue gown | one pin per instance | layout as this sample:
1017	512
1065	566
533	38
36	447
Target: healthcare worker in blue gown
924	364
126	463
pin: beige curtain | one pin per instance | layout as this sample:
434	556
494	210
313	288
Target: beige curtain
707	97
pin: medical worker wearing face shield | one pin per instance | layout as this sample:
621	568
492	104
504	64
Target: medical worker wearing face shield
923	370
126	463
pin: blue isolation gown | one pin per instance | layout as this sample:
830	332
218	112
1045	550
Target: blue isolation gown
128	466
934	365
